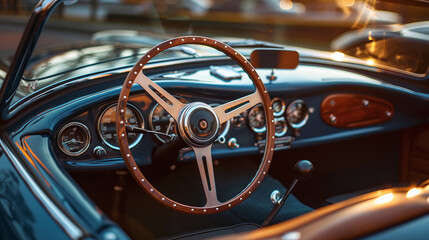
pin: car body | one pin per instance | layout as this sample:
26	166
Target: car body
200	122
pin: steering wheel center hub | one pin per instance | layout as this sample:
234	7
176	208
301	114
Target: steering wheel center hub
198	124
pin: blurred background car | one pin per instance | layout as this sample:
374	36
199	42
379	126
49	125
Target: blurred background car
404	47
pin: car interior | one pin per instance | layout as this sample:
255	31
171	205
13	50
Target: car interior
179	147
347	161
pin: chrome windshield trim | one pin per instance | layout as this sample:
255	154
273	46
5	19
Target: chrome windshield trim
69	227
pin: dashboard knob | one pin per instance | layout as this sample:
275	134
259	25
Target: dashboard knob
232	143
99	152
275	196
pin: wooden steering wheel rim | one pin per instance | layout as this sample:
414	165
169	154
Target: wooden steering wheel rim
123	141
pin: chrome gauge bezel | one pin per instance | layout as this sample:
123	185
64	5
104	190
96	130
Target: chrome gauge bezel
284	130
87	143
304	121
283	107
256	130
139	116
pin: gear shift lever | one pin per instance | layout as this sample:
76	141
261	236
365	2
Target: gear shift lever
303	170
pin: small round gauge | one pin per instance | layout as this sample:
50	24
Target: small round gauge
279	107
107	126
280	126
161	121
297	114
73	139
237	120
256	118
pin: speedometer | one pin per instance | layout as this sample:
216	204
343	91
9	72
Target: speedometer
107	126
161	121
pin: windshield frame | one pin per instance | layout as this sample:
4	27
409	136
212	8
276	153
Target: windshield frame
22	56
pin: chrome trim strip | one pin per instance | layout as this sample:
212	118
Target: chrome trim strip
69	227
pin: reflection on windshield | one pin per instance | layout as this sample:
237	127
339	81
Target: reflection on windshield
304	23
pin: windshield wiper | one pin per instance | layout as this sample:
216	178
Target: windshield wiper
252	43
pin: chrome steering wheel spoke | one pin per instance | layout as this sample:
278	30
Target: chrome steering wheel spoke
230	109
173	108
205	167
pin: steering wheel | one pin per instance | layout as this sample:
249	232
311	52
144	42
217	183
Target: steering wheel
198	125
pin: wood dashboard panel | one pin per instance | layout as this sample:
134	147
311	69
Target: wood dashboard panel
354	110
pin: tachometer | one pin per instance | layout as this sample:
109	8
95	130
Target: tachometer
256	118
73	139
107	126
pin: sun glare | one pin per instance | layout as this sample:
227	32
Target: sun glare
384	199
413	192
286	4
337	56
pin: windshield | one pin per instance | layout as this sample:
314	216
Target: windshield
98	35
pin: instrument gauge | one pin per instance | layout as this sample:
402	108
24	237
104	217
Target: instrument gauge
237	120
279	107
297	114
256	118
161	121
107	126
74	139
280	126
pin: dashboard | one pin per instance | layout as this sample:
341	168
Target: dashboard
312	105
93	133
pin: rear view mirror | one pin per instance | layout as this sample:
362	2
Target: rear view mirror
274	58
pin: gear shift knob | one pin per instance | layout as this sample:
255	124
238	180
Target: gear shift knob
303	170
